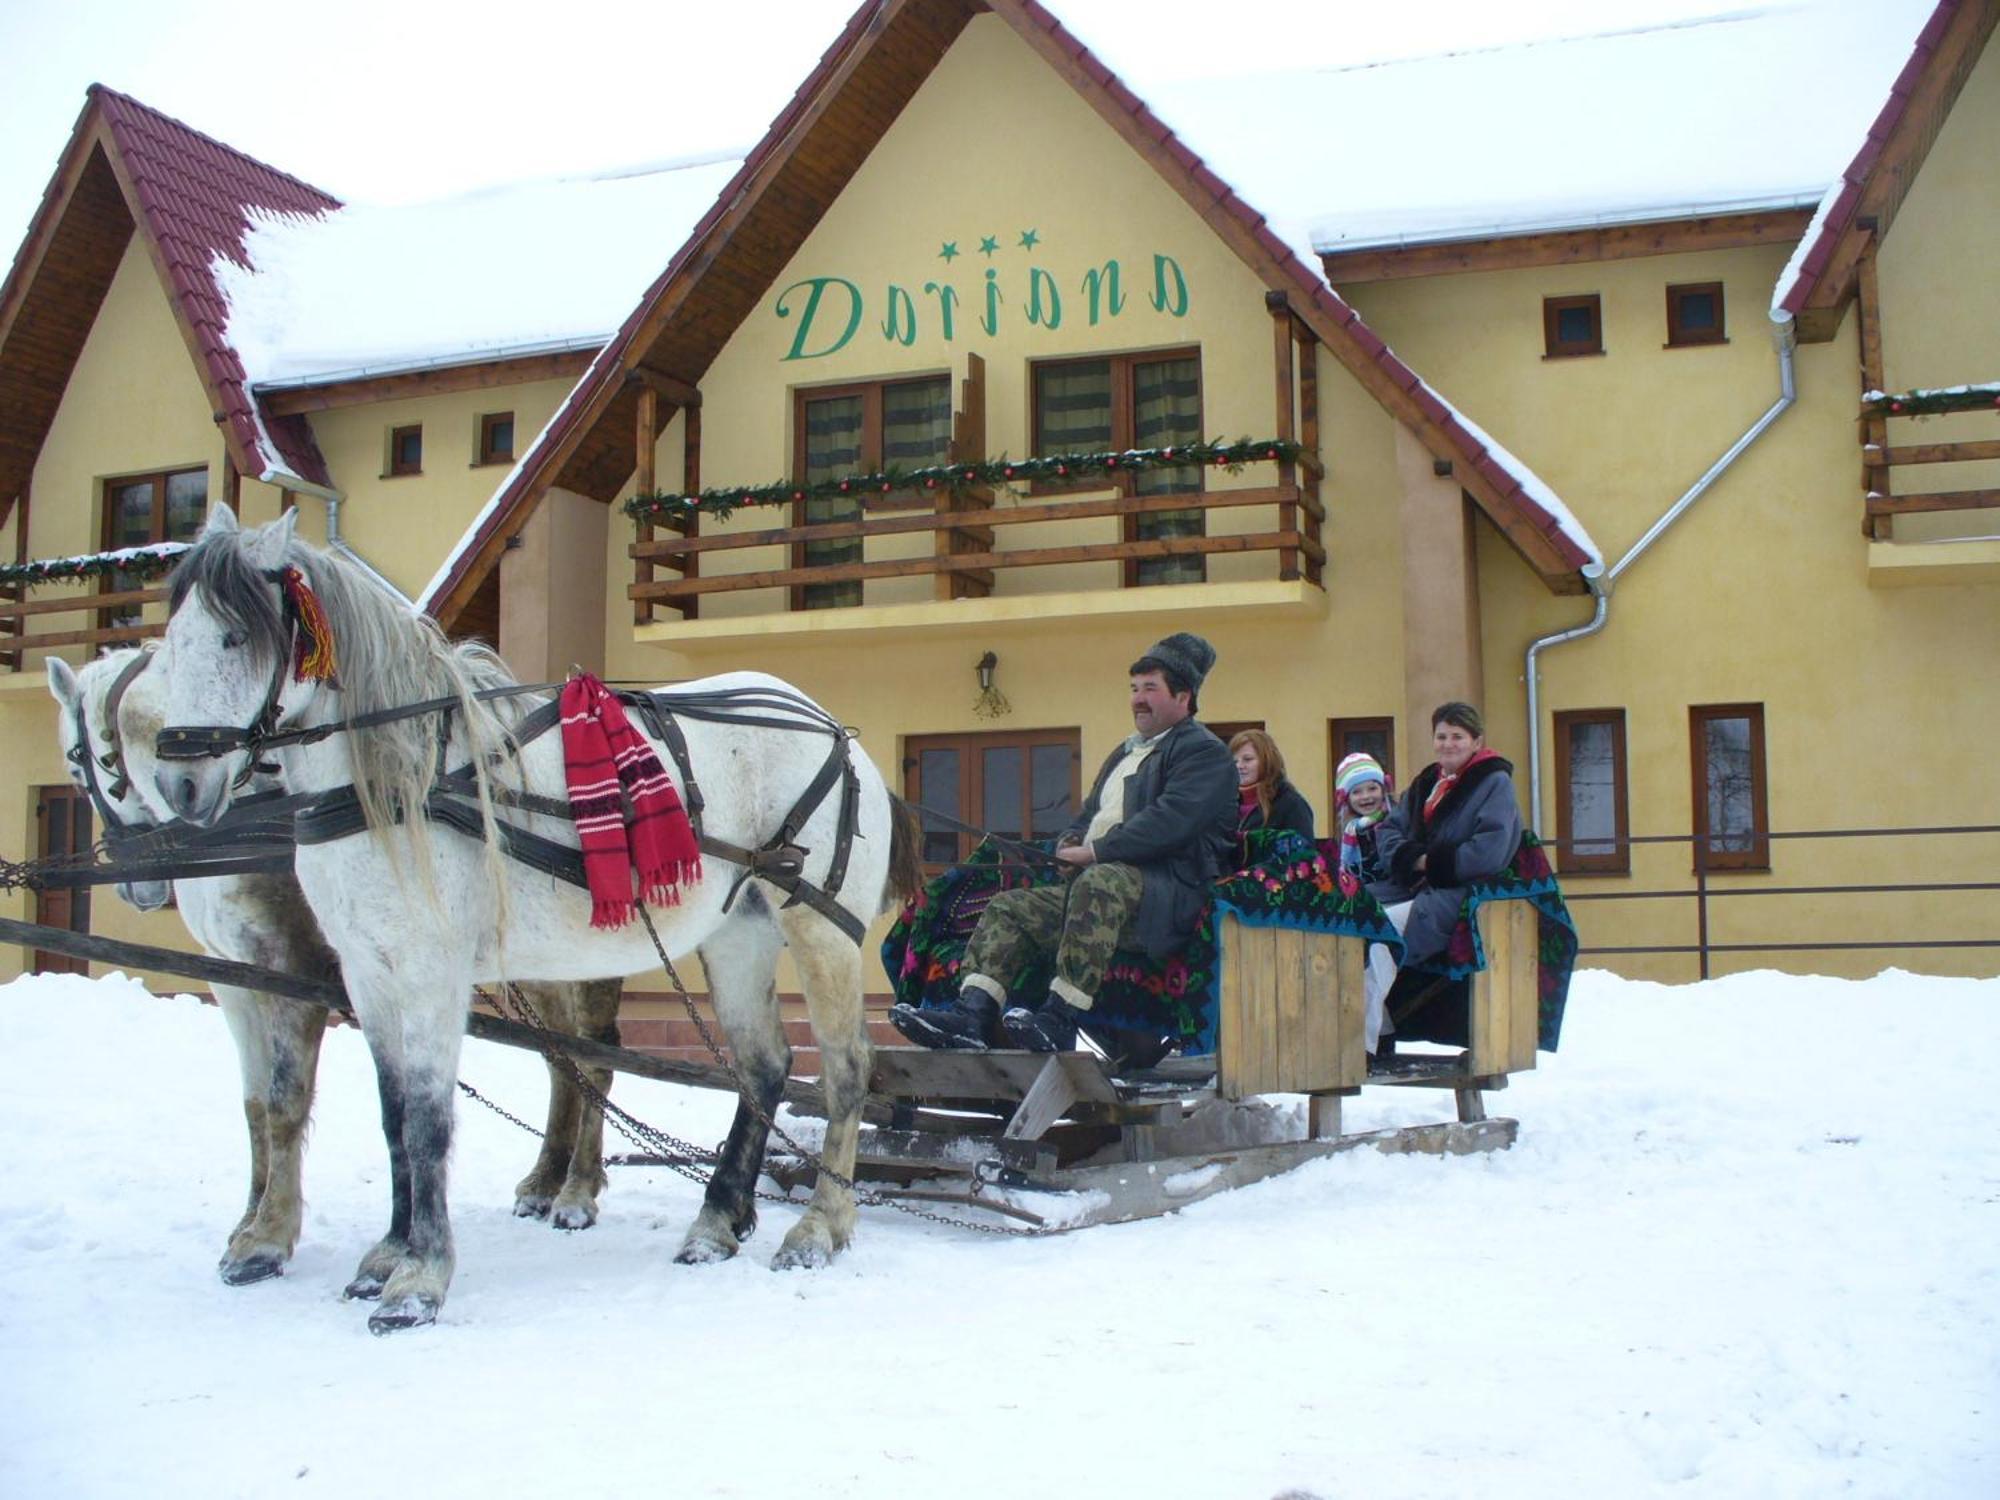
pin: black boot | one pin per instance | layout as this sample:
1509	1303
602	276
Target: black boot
965	1025
1050	1029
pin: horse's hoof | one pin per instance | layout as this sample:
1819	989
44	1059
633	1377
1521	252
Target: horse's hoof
532	1206
574	1215
804	1252
364	1288
409	1311
243	1270
704	1253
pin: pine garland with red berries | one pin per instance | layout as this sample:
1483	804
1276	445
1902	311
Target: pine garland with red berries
133	564
1058	468
1931	403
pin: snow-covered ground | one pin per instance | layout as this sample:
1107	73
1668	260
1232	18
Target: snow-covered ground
1747	1245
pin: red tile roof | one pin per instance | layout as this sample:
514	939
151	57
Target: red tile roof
1839	220
195	196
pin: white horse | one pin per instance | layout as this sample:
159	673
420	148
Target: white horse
418	914
263	919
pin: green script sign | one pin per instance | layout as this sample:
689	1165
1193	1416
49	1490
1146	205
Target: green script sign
831	310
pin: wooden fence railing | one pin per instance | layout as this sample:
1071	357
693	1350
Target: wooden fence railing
962	545
23	628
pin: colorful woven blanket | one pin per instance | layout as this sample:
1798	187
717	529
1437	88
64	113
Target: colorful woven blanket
1289	882
603	755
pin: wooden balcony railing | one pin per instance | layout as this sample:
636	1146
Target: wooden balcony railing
966	541
25	625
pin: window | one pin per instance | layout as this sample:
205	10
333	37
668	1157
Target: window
1572	325
1376	737
1694	314
1023	785
862	429
406	450
1130	401
62	817
496	438
1590	792
144	510
1730	813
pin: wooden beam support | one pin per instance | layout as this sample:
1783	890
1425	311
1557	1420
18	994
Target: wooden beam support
484	375
646	436
1943	453
1874	430
1567	247
1286	391
676	390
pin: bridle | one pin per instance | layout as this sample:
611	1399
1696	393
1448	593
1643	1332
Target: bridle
105	799
210	741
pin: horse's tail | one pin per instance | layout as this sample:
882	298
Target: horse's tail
906	869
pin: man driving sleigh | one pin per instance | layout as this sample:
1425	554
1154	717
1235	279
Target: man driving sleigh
1156	831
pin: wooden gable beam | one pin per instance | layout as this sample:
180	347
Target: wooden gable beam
1567	247
1897	158
667	301
670	388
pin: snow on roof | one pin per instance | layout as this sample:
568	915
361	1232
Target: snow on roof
1754	109
371	289
1537	488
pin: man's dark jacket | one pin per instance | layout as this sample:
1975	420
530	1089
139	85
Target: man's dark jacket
1179	830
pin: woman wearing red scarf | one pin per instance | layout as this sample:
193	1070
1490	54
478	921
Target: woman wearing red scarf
1458	822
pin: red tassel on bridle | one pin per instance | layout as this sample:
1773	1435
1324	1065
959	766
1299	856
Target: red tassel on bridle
312	640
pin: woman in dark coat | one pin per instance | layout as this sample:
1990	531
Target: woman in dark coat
1457	823
1264	798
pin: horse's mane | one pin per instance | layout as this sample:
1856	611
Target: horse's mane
388	655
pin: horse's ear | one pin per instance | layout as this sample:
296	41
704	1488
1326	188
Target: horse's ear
267	544
221	520
63	685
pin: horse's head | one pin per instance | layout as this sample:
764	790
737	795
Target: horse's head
229	662
105	755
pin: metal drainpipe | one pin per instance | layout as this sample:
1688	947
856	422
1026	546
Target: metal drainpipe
1601	582
336	544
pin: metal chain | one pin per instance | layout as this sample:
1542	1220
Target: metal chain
472	1093
864	1195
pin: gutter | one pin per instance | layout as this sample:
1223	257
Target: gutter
334	541
1601	582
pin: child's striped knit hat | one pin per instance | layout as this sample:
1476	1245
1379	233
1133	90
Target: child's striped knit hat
1353	770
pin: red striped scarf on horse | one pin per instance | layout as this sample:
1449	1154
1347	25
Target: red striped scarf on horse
602	755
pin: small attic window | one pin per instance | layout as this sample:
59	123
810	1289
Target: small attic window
406	450
496	438
1572	326
1694	314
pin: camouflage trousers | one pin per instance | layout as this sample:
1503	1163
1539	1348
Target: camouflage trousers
1083	920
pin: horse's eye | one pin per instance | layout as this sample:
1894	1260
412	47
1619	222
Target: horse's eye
234	640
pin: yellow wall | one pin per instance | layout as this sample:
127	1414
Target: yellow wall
1941	307
406	525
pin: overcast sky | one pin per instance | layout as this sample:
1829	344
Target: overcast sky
388	100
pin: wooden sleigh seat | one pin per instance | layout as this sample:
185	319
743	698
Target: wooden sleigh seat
1020	1126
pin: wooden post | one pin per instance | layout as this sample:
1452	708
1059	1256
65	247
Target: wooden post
1281	352
968	446
1308	347
232	485
645	482
691	485
1874	429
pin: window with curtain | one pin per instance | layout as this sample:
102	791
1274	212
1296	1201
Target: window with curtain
861	429
1130	401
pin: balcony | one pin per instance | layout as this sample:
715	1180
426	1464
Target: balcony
965	546
1920	532
123	608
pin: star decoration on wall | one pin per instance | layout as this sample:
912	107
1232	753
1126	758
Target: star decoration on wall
1029	239
988	244
949	252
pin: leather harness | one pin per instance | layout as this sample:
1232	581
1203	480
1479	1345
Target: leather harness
453	797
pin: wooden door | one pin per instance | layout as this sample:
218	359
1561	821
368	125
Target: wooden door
62	824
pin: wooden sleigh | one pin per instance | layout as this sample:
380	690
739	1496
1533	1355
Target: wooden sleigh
1059	1141
1056	1140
